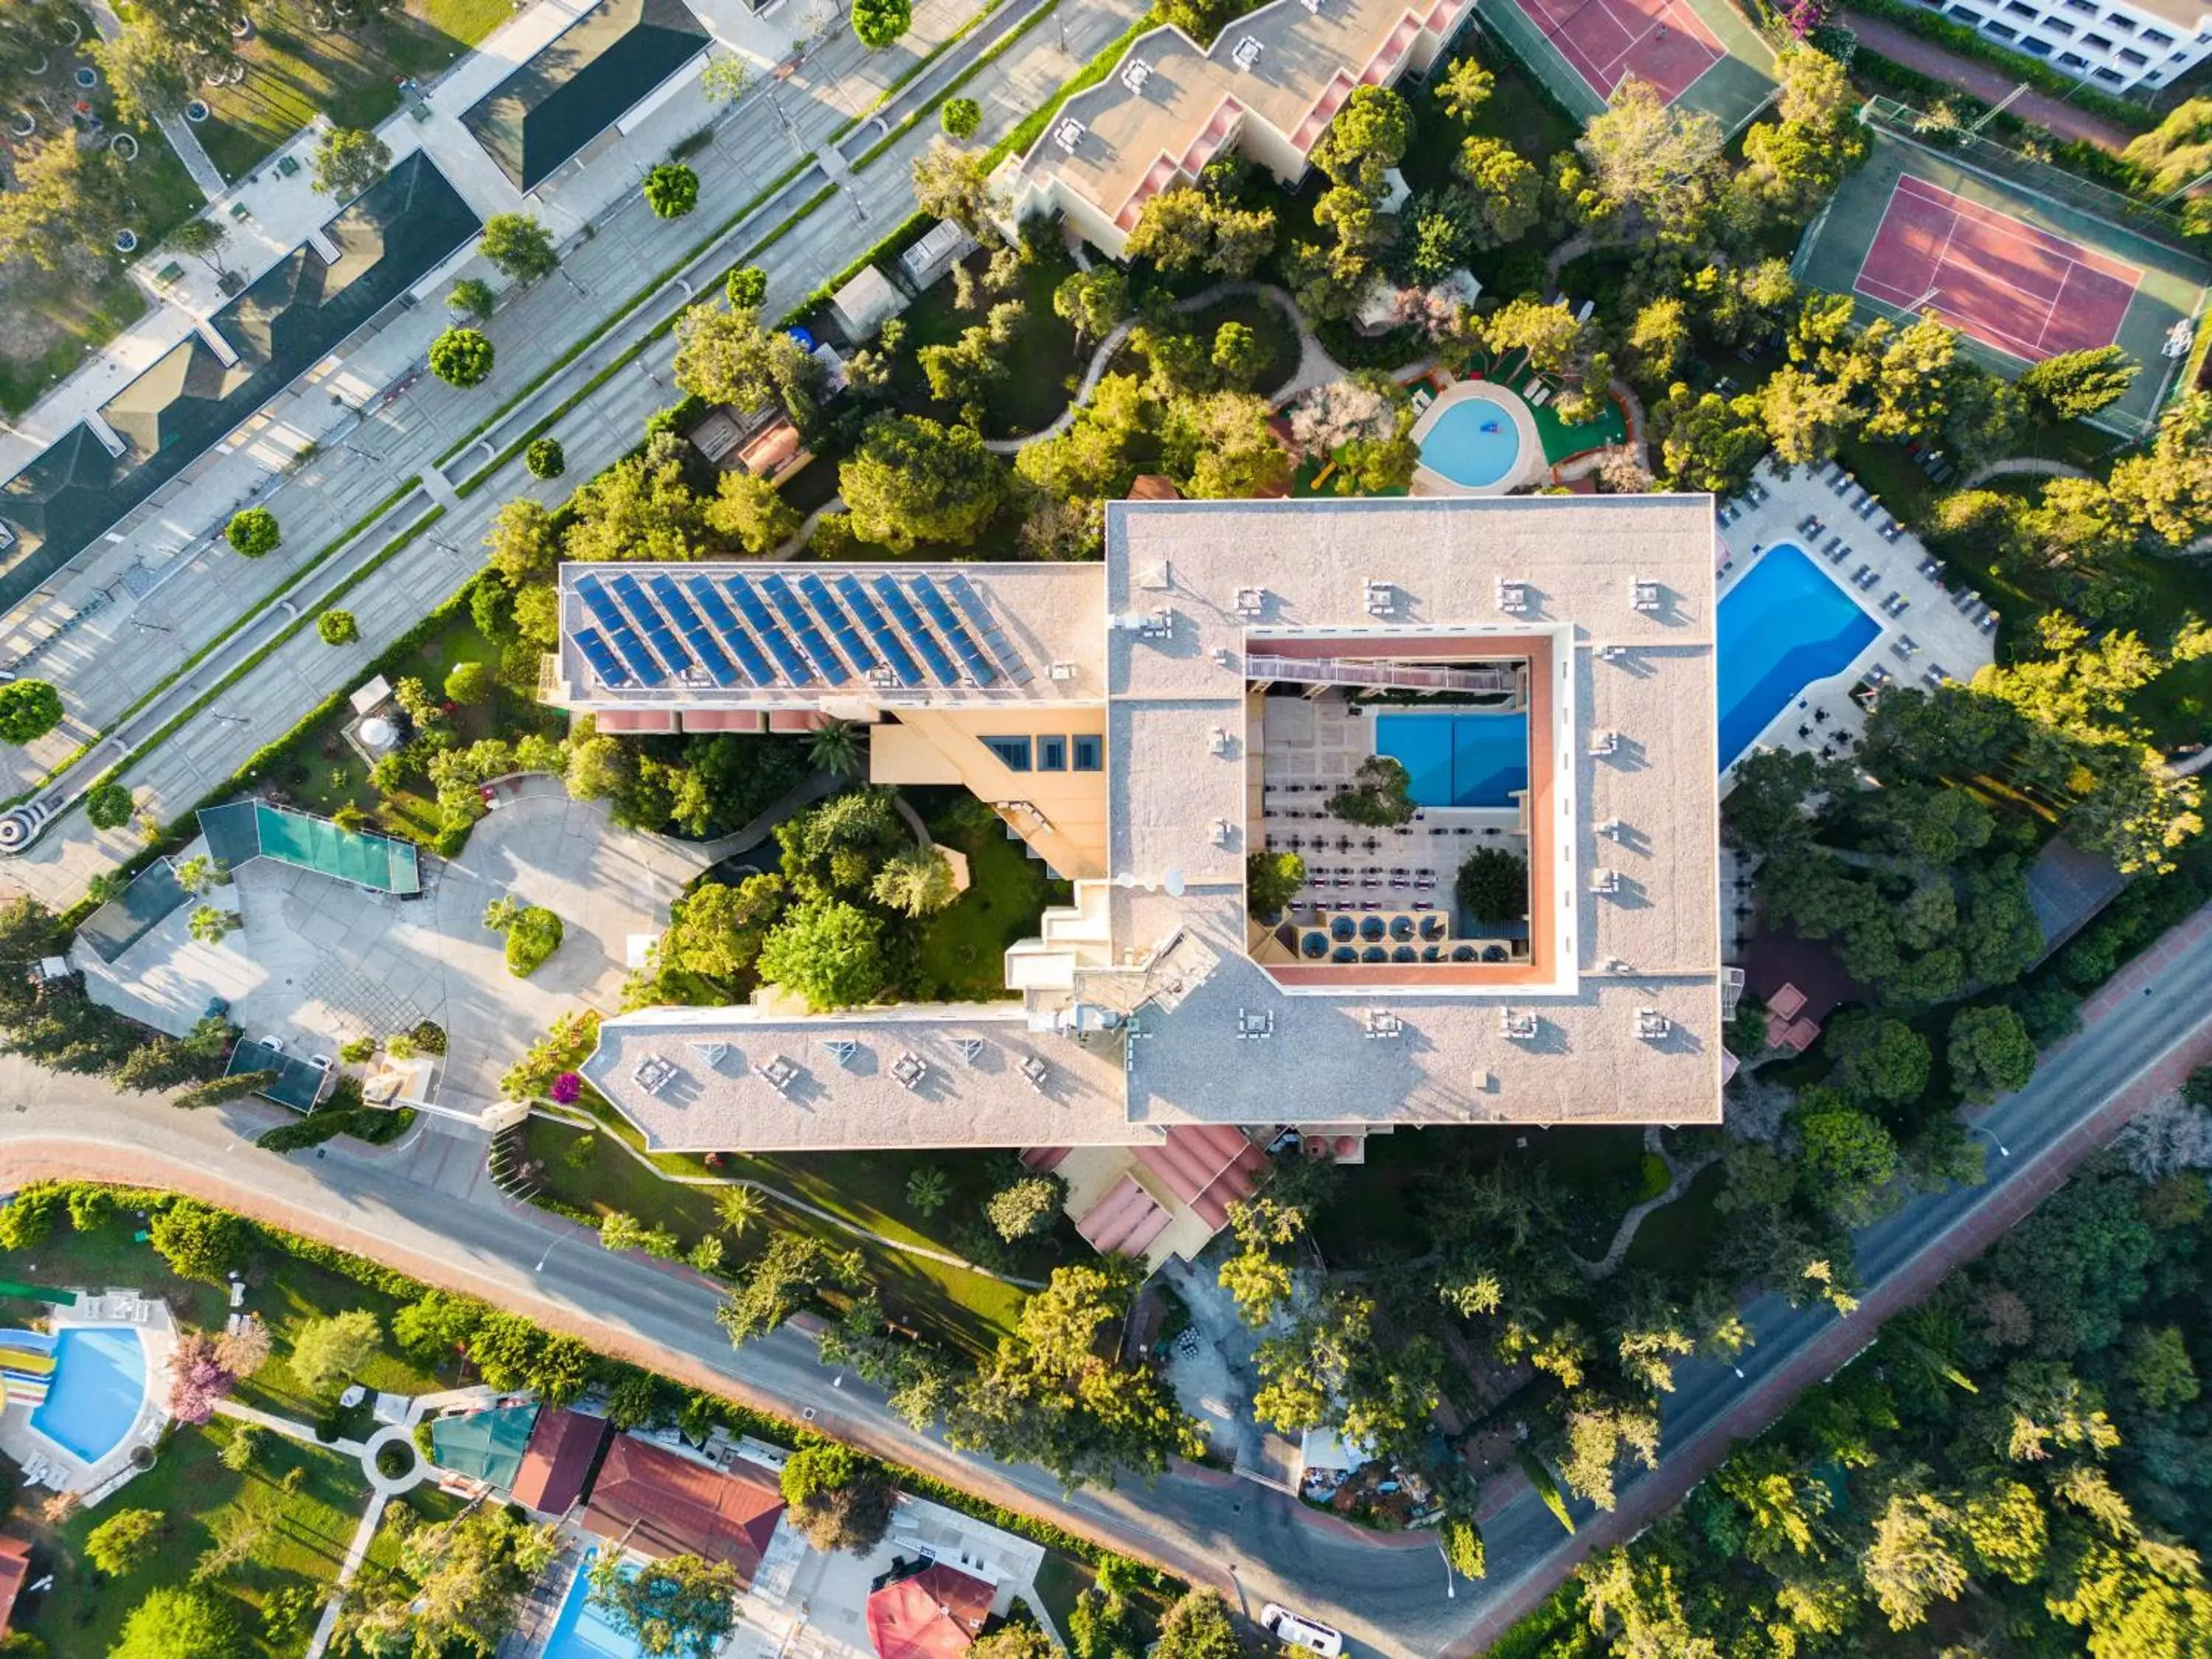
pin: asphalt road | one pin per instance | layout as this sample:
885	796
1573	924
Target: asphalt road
427	1210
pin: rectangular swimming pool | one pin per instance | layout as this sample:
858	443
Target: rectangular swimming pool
581	1631
1459	756
1783	625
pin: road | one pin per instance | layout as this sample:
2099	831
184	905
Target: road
425	1207
1985	80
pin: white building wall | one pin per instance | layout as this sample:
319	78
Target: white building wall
2110	45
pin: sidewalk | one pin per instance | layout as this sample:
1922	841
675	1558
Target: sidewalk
1985	80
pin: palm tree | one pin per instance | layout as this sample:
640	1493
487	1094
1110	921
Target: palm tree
917	882
739	1208
928	1190
209	925
836	748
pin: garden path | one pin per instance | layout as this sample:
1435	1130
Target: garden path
174	128
2020	465
1684	1171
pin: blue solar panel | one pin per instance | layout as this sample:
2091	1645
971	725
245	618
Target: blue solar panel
640	661
787	605
771	636
702	641
901	659
833	616
972	606
979	666
733	632
602	662
903	613
647	615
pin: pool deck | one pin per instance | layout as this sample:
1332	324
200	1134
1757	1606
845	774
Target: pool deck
1927	635
1427	481
63	1472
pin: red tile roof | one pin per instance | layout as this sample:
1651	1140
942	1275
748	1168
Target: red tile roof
15	1569
1209	1167
659	1505
934	1615
556	1460
1124	1222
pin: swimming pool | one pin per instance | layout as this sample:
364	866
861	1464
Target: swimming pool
1461	758
1783	625
1473	443
582	1631
98	1383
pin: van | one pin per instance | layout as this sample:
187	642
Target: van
1294	1631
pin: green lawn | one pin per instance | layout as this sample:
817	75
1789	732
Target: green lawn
1035	386
1675	1239
963	948
293	74
303	1535
967	1309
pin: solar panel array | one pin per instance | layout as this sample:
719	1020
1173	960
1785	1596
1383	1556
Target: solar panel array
736	630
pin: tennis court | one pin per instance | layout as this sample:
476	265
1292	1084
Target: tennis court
2020	272
252	829
1703	55
1994	276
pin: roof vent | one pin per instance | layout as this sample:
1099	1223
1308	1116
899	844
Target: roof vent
1512	595
1246	52
1062	671
1611	652
970	1047
1313	6
1161	576
1382	599
1036	1071
1217	740
910	1070
1518	1024
1652	1026
1222	657
1255	1024
1645	594
1613	830
778	1073
1221	832
652	1073
1068	134
1157	626
842	1049
1251	601
1135	73
1606	883
1603	744
1617	965
712	1053
1382	1023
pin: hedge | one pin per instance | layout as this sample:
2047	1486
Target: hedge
1969	43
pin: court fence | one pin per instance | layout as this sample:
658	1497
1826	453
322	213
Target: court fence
2014	168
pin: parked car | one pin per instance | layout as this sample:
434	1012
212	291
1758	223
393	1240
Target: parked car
1308	1633
321	1062
275	1045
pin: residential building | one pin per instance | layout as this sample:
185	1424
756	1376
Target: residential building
933	1612
1541	666
1265	89
557	1461
660	1503
2115	45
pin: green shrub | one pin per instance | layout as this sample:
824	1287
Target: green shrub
309	1131
109	805
960	116
380	1126
545	458
28	710
671	190
253	532
461	358
429	1036
337	627
534	935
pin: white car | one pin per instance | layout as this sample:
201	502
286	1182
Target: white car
1294	1631
321	1062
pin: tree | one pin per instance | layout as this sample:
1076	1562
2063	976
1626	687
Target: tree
1878	1062
189	1623
733	357
1463	88
1908	1564
952	183
459	1587
149	69
671	190
1367	136
726	77
520	247
917	882
912	480
1198	1627
1186	229
1379	796
203	240
461	358
252	532
1093	302
681	1605
928	1189
750	511
1237	353
1845	1157
1707	442
1655	162
960	116
839	1499
829	952
349	162
523	543
1014	1642
835	746
1025	1208
124	1542
1991	1053
1272	880
28	710
109	805
472	300
1504	190
210	926
1598	1433
780	1281
327	1352
1493	885
880	22
2075	384
468	682
738	1208
337	627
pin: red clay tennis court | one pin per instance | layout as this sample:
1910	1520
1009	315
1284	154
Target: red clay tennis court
2000	279
1660	41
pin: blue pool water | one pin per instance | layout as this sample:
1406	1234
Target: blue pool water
1783	625
582	1631
1463	758
98	1383
1458	446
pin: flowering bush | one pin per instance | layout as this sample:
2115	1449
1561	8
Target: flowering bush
566	1088
197	1378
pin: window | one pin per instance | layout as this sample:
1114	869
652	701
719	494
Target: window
2124	24
2063	30
2002	31
2101	42
1089	754
1052	754
1013	753
2040	48
2088	8
2157	38
2073	60
1966	16
2129	55
2112	77
2013	9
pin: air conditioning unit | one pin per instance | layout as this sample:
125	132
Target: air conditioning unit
1135	73
1246	52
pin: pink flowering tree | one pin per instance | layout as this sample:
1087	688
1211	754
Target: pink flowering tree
566	1088
197	1378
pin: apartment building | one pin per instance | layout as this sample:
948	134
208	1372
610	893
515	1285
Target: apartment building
2115	45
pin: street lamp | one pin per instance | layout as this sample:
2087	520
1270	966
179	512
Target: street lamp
550	1248
2004	1151
233	720
1451	1590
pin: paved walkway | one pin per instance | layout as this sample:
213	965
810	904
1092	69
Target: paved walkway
1985	81
174	128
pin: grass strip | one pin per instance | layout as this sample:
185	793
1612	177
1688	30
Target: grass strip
344	536
642	296
983	60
